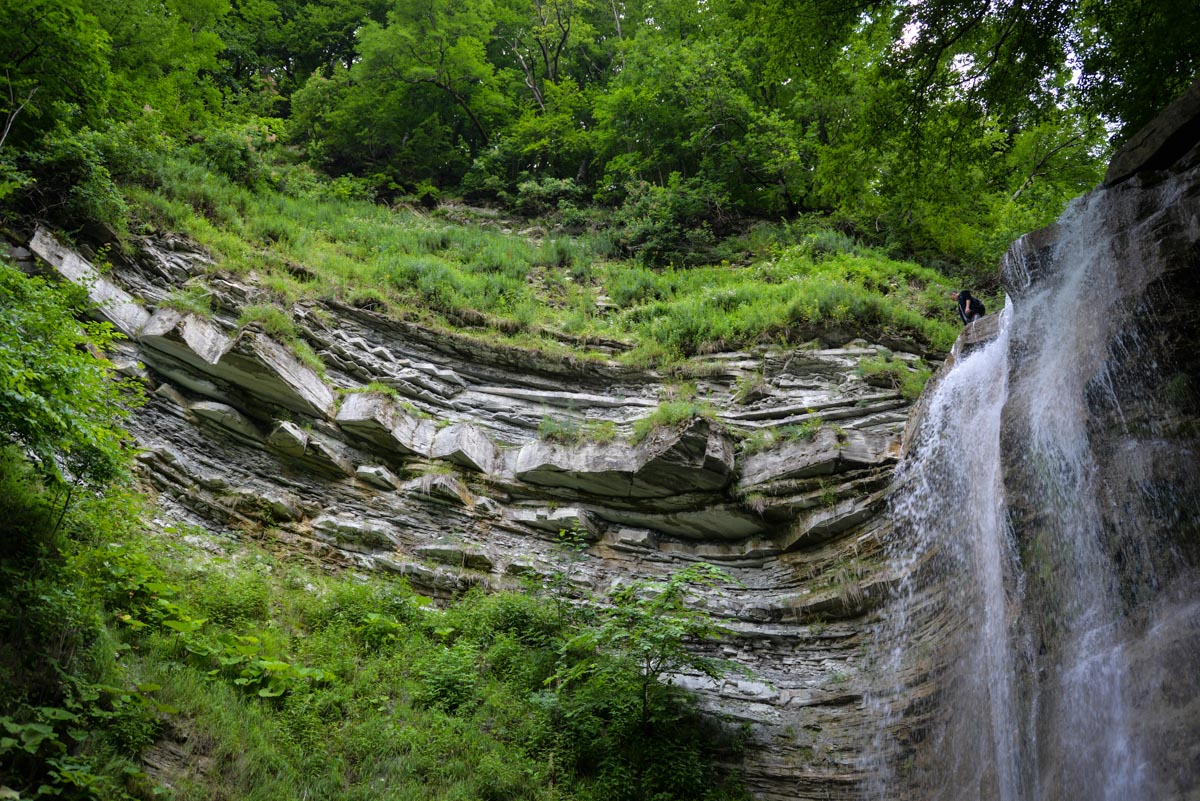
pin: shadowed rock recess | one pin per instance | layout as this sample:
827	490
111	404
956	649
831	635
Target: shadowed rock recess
440	476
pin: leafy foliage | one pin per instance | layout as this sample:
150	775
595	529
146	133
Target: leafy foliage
58	399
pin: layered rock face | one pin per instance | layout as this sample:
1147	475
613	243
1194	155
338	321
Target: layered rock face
440	476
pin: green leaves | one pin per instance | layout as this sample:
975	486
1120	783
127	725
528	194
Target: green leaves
57	399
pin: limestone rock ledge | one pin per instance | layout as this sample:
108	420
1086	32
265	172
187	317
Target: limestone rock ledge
418	453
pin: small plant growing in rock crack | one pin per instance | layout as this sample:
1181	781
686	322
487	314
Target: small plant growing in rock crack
559	430
191	299
767	438
671	413
750	388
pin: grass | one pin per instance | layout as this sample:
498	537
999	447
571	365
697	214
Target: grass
565	431
303	240
671	414
889	370
766	438
190	299
279	324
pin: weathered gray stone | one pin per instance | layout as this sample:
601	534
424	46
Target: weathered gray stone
829	451
112	304
697	458
636	537
383	422
1162	142
289	439
646	510
252	363
466	445
456	556
170	393
378	476
442	486
559	518
355	533
191	339
227	418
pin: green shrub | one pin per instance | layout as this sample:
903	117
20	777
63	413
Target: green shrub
57	400
447	676
72	186
670	224
895	373
231	154
559	430
670	414
539	196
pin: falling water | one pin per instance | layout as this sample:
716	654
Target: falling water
1032	626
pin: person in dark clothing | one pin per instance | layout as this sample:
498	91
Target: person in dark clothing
970	308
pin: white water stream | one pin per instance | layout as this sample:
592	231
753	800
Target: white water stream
1004	658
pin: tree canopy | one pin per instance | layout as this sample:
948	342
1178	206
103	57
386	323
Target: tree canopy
937	129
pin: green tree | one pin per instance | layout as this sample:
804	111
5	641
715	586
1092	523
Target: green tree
650	631
53	67
59	400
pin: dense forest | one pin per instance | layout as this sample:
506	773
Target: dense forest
677	177
937	129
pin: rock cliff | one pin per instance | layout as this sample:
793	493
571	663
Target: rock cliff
417	452
1045	537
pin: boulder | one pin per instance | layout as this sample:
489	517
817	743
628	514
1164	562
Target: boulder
289	439
377	476
252	363
560	518
380	420
355	533
830	450
468	446
456	556
228	418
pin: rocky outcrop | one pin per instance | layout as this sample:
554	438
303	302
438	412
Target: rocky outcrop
417	453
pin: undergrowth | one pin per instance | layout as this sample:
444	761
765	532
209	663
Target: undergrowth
547	294
277	680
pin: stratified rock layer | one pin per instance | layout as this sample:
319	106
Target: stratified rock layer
417	453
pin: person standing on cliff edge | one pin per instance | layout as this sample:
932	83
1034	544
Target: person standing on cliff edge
970	308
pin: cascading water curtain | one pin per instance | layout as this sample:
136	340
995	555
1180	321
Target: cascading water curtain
1046	612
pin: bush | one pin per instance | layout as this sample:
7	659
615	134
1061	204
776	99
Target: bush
232	155
72	186
670	224
536	197
56	399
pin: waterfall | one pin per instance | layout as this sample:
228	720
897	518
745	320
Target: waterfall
1041	596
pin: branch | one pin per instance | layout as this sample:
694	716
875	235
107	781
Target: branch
12	115
1036	171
